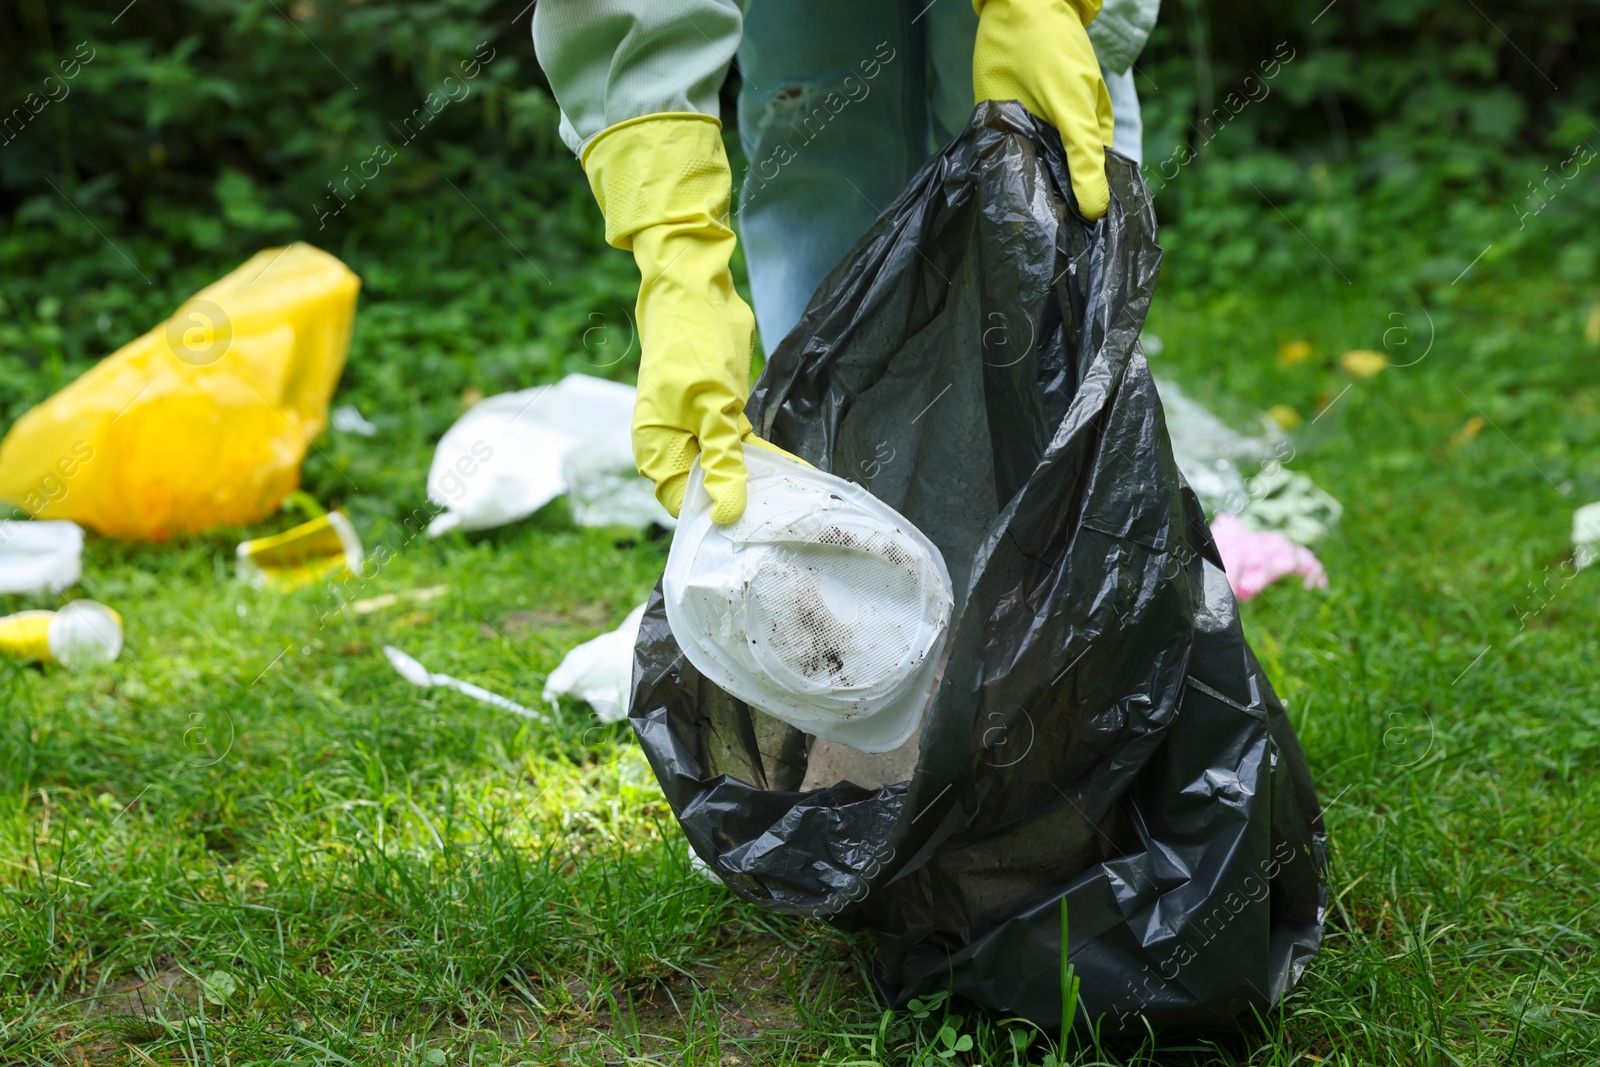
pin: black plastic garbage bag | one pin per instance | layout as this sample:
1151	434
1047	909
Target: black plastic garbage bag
1101	730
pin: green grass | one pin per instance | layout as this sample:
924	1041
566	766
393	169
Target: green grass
384	874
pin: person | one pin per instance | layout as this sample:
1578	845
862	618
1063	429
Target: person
840	102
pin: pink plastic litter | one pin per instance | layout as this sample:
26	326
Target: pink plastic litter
1254	560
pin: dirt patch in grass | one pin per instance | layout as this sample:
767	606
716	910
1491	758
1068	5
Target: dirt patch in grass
139	1009
748	1001
595	616
169	992
754	996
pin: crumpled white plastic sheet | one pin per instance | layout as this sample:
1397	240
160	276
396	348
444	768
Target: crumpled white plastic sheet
1211	454
39	556
1586	535
507	457
1217	461
605	488
347	418
599	672
1289	503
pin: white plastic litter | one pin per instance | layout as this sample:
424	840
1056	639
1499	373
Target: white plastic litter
347	418
820	606
702	868
84	632
1586	534
40	556
502	460
599	672
1212	455
1289	503
605	488
418	675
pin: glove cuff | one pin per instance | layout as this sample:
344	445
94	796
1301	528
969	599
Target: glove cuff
1086	9
658	169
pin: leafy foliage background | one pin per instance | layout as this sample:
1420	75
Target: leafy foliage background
1399	140
1403	143
204	130
1398	137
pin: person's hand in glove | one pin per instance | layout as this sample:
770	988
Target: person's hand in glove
664	186
1037	52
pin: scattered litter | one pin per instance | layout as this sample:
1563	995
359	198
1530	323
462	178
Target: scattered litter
1291	504
1211	454
418	675
503	459
38	557
599	672
701	867
821	605
347	418
322	548
203	421
1254	559
389	600
1214	458
1363	362
82	632
605	487
1586	534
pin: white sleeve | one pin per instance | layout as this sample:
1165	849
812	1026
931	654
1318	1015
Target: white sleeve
613	60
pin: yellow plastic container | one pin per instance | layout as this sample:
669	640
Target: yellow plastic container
83	632
325	547
204	420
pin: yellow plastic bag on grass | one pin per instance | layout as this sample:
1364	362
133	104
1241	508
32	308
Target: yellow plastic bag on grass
204	420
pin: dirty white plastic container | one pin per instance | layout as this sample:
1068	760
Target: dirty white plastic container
821	606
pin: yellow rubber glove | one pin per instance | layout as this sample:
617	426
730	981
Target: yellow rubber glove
1037	53
664	186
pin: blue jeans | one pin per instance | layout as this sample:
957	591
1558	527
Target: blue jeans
841	102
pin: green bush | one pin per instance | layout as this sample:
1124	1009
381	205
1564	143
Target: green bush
201	119
148	147
1400	139
415	141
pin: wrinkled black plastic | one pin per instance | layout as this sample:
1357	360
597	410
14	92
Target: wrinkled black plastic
1102	729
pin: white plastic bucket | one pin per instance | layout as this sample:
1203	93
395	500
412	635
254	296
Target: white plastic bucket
821	606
